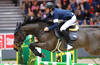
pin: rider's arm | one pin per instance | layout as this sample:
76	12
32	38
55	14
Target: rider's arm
54	25
55	21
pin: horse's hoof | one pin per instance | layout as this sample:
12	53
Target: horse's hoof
43	55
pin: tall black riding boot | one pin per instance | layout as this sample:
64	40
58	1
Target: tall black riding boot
67	38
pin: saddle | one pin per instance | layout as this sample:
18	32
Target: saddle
72	33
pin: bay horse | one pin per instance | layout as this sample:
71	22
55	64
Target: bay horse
88	38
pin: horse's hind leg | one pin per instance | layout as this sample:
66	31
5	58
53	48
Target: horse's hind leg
32	47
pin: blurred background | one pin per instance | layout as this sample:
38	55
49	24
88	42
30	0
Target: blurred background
13	11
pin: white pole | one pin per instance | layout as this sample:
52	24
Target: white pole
69	60
39	58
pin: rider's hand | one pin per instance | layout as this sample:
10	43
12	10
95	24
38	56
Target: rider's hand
46	29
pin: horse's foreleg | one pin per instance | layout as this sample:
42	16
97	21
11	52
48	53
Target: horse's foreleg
32	47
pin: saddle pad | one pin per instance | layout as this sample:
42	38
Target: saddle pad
76	28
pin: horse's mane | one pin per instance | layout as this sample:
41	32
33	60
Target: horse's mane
34	21
20	24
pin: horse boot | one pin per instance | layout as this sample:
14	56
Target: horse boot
35	51
67	38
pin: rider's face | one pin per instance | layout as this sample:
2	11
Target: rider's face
47	10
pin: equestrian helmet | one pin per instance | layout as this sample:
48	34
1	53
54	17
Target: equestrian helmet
49	5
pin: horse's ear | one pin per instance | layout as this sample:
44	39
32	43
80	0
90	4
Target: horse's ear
17	25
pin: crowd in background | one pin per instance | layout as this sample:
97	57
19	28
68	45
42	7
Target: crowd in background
87	11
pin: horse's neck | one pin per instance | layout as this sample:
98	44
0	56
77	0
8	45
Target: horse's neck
34	28
42	25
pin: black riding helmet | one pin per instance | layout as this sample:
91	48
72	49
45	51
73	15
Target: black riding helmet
49	5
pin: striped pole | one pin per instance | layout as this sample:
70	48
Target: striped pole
83	64
53	63
62	63
10	64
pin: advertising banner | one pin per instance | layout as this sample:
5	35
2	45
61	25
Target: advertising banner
1	41
6	41
9	40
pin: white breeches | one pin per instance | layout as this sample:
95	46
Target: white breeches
68	23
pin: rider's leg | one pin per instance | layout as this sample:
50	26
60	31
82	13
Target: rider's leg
66	36
65	26
57	33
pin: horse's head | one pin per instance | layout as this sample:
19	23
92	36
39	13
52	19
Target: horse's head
18	37
22	31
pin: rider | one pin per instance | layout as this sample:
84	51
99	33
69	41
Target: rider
59	14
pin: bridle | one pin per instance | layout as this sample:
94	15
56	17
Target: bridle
21	37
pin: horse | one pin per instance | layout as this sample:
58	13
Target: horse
88	38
